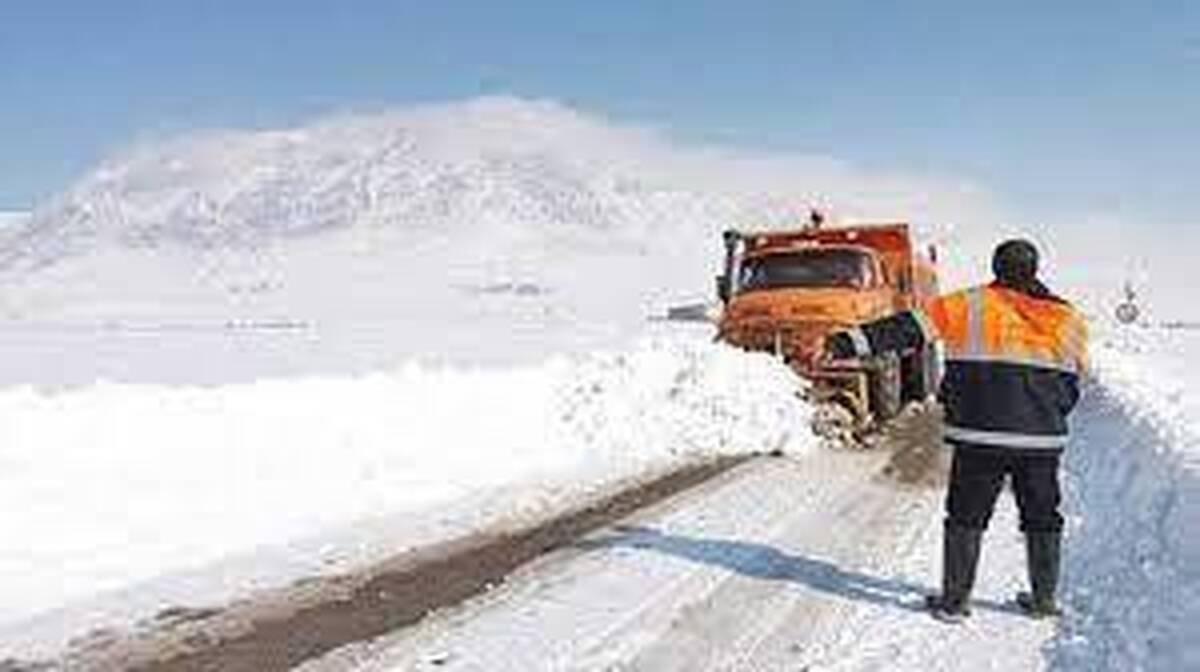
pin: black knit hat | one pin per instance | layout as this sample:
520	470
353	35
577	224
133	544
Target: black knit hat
1015	262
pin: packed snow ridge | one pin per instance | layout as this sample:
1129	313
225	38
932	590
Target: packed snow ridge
1133	497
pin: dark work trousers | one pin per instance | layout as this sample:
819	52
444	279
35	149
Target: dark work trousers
977	477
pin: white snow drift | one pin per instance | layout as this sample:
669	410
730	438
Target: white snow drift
1133	558
115	484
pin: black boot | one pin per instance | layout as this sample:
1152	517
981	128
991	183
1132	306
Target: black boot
960	556
1042	551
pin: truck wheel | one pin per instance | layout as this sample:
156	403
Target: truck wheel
918	373
885	386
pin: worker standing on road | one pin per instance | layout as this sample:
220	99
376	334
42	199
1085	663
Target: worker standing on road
1014	356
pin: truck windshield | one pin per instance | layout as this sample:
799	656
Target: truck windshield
809	268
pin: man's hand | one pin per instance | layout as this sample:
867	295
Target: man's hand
839	345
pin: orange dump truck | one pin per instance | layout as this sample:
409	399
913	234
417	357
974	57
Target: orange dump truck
784	291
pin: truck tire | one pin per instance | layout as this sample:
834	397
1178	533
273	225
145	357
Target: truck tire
885	387
918	373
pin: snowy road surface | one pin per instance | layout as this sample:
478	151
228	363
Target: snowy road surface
817	562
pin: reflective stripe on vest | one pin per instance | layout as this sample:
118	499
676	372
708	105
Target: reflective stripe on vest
975	320
1026	360
1005	439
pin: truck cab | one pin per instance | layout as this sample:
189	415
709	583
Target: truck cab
787	299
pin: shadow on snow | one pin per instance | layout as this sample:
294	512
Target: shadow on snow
761	561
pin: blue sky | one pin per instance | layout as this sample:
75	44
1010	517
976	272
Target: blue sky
1067	106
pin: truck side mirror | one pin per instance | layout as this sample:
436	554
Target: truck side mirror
723	288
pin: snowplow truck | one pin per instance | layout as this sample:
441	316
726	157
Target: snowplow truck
784	291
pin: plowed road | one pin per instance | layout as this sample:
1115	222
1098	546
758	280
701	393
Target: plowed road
814	562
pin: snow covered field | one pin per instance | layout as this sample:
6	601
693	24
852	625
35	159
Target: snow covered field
240	358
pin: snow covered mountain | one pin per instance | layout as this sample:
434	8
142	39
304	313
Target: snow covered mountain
496	168
466	201
408	233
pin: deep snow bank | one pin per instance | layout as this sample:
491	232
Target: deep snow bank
117	484
1133	477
